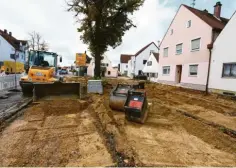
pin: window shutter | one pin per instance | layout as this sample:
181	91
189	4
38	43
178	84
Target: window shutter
195	44
179	47
165	52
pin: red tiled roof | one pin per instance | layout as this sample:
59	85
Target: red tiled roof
209	18
124	58
12	40
144	48
156	55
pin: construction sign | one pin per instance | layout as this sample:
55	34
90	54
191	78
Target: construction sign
80	59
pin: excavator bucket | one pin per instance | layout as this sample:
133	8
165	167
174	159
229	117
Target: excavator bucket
49	90
136	106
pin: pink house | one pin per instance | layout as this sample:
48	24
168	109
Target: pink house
185	48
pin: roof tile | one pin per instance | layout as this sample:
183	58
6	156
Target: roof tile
124	58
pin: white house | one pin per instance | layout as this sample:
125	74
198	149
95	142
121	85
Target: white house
152	66
124	58
10	45
105	63
139	60
223	61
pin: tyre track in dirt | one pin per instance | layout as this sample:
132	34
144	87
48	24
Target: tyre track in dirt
212	112
169	138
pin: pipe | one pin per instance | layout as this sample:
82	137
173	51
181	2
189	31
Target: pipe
210	47
208	74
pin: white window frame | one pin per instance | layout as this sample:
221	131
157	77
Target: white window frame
190	72
163	67
199	44
176	49
189	25
164	51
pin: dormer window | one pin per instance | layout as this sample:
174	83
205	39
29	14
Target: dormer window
171	31
189	23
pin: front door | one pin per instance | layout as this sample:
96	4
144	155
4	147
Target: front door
178	73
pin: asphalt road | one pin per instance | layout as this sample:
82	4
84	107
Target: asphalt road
14	100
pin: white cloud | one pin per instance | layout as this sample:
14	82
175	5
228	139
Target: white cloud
49	17
151	21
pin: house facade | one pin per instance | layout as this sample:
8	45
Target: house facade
151	68
184	53
139	60
124	58
106	64
10	45
223	61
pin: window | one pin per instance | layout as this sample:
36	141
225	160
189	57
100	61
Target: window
179	48
166	52
229	70
166	70
195	44
153	75
189	23
109	72
193	70
171	31
149	63
144	62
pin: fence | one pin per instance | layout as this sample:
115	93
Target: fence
8	81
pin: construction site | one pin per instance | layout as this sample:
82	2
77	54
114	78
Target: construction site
182	128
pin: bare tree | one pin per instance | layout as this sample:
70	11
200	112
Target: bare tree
36	42
32	40
44	46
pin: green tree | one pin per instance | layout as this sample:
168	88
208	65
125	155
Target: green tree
103	23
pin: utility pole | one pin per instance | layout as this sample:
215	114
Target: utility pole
193	3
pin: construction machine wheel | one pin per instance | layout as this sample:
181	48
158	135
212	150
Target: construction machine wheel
26	87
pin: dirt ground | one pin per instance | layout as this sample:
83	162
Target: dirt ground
183	128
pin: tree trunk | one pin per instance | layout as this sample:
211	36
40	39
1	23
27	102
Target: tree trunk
97	73
97	50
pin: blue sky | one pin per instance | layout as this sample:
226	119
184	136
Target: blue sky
59	28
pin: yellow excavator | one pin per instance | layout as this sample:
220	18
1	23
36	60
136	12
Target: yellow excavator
42	78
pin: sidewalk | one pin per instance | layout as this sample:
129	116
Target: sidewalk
10	103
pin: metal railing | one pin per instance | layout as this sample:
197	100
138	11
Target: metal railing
8	81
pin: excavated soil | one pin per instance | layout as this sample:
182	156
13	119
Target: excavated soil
54	133
183	128
196	137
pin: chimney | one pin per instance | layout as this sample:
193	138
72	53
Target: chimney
10	34
217	9
5	31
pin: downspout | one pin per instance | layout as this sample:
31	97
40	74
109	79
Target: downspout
210	47
134	65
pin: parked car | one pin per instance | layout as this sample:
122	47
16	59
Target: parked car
63	72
